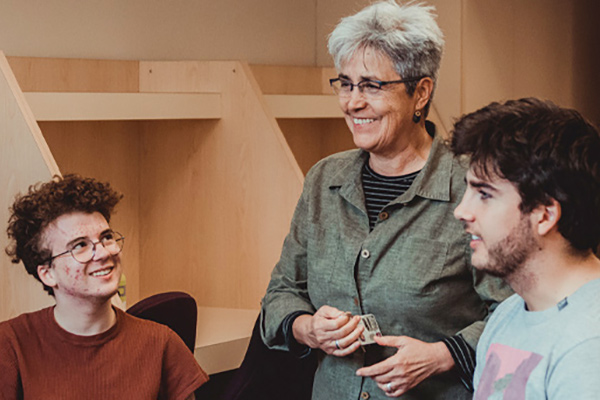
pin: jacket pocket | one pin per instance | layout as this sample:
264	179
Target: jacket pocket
414	265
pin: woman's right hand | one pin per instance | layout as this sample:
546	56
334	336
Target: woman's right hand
329	329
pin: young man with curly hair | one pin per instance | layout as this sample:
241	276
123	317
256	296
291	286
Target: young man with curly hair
532	207
83	347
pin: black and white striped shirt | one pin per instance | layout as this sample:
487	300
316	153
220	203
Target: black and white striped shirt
380	190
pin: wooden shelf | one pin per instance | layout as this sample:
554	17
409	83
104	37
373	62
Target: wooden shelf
303	106
222	337
68	106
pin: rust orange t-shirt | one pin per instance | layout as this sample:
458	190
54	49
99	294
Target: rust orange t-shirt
134	359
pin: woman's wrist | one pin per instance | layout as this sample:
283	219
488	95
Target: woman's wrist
300	329
445	361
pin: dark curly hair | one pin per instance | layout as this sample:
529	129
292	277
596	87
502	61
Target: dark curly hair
547	152
31	213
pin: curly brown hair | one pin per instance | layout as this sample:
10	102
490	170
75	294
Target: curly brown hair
547	152
31	213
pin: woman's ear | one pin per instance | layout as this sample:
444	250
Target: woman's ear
423	92
546	217
46	274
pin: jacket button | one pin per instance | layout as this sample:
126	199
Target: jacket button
365	253
356	301
383	215
365	395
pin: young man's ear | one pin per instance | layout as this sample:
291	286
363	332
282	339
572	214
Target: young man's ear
46	274
546	217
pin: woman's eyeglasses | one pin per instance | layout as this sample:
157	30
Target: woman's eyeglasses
343	87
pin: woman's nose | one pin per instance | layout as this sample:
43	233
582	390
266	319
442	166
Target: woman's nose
356	100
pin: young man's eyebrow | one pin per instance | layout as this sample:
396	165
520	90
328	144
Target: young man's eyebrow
73	241
77	239
480	185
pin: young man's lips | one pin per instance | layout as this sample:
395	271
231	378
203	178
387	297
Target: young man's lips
474	241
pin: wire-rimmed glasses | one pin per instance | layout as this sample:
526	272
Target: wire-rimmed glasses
84	250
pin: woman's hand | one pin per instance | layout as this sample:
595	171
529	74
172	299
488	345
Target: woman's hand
414	362
329	329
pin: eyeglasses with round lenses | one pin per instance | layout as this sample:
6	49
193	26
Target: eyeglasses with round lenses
84	249
343	87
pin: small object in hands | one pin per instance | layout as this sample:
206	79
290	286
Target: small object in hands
371	329
337	344
388	388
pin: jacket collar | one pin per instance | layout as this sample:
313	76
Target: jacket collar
433	182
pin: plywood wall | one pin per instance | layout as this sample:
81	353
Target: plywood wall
514	49
24	160
261	31
218	195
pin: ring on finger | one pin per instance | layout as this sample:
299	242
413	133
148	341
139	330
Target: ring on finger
337	344
388	387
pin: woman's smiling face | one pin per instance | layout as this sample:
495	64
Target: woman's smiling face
377	122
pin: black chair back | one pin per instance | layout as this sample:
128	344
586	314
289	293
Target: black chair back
177	310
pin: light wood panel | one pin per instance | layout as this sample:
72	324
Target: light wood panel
263	31
24	160
531	57
52	106
218	196
108	151
304	106
275	79
314	139
75	75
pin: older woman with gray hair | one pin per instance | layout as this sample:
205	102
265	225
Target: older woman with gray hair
373	231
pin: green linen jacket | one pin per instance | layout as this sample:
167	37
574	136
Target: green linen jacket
412	271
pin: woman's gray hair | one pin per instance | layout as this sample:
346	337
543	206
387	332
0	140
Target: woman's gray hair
408	34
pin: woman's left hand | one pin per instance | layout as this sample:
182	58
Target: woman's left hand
414	362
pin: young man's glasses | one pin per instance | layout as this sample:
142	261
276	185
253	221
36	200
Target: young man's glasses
343	87
84	250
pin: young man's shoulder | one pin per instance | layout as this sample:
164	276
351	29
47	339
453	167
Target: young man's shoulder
29	322
582	316
510	305
575	319
39	323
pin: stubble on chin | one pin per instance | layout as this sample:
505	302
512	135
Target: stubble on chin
509	255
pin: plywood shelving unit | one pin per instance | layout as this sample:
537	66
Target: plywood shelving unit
209	178
57	106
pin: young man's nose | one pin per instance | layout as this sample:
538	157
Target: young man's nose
461	212
101	252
